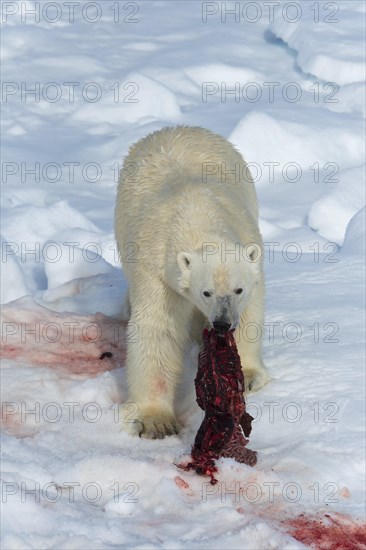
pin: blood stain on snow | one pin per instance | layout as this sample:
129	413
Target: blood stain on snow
12	425
345	492
329	533
67	360
183	485
76	344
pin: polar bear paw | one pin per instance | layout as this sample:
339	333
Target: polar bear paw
151	424
255	378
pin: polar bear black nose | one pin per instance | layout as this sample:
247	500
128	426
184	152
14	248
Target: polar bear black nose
221	326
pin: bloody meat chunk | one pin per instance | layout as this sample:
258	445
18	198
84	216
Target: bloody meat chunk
219	388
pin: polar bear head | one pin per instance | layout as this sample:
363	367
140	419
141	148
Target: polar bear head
219	278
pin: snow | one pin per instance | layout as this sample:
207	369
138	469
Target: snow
294	148
64	266
13	282
290	96
144	99
344	200
354	240
326	37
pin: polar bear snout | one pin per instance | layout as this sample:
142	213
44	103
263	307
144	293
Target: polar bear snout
224	314
221	326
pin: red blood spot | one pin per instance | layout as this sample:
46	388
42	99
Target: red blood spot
329	533
181	483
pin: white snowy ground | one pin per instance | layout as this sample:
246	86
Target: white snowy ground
70	477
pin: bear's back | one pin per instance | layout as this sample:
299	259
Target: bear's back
182	154
176	174
190	148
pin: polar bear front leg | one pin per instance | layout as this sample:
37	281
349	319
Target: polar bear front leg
198	323
159	332
248	338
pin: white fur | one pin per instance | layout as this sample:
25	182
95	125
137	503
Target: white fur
187	236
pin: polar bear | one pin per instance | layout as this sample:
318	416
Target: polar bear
186	224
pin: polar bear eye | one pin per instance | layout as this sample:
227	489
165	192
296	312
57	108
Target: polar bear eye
207	293
238	291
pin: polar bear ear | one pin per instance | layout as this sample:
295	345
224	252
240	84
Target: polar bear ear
184	260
